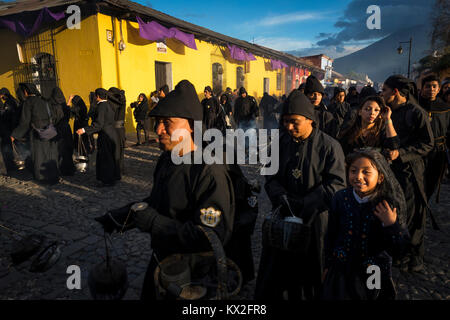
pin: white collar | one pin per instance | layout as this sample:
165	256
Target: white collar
101	101
361	200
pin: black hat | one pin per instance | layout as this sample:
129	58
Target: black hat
180	103
313	85
298	103
302	86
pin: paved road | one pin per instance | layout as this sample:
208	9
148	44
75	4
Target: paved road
65	212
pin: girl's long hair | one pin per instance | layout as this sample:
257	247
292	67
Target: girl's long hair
354	131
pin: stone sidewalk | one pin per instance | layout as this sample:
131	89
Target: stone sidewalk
65	212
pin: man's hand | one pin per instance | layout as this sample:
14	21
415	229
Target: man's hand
118	219
12	139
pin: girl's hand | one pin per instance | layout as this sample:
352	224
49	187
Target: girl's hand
387	114
386	215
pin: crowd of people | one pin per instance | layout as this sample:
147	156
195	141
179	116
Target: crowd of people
359	173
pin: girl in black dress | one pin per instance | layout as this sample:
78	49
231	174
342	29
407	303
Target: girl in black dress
366	227
369	126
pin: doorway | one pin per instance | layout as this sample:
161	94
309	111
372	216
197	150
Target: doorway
163	74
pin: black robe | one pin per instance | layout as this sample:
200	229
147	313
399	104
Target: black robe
179	195
339	111
245	109
416	140
81	120
268	105
436	162
213	114
325	120
44	154
108	144
381	143
117	100
65	140
321	162
9	119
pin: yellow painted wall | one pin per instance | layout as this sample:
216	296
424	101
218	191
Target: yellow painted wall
86	60
78	63
9	58
133	69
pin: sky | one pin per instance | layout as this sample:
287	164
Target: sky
333	27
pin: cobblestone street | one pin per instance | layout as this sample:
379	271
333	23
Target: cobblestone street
65	212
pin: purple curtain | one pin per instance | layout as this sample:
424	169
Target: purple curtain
153	31
277	64
240	54
44	16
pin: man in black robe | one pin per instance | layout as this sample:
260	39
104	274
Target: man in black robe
184	196
245	113
116	98
312	169
268	105
141	110
339	107
325	119
213	114
65	140
352	97
439	115
108	143
9	115
38	114
416	141
78	111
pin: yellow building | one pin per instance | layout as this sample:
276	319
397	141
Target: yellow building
108	51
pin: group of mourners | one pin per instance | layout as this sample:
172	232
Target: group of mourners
36	130
358	173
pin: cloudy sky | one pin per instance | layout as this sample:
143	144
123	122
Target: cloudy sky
333	27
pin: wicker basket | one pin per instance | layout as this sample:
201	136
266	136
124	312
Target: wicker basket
206	275
286	234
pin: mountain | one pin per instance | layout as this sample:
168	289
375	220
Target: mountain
381	59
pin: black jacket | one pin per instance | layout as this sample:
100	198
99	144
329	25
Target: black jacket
245	109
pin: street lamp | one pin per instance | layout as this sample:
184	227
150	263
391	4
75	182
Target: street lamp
400	51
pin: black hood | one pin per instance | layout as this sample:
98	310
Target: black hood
242	90
57	96
313	85
117	96
298	103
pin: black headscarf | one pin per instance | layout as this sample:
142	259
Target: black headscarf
180	103
402	84
30	88
390	189
366	92
337	90
165	89
57	96
144	100
313	85
117	96
298	103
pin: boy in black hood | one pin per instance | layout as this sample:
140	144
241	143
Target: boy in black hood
325	119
